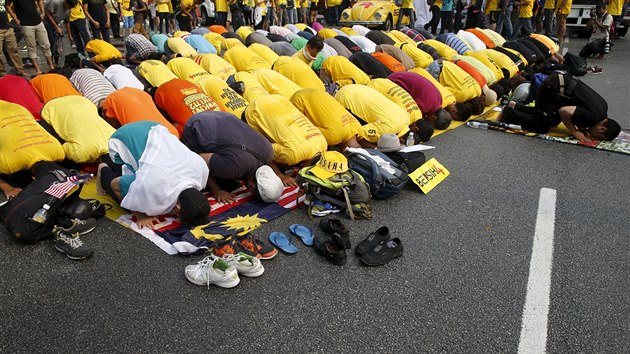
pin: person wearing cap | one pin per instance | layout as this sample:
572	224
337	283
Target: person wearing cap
234	151
159	175
563	98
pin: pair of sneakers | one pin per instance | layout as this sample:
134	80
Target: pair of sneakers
224	271
248	244
67	241
379	248
335	241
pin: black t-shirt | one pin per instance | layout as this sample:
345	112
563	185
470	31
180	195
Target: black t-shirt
27	12
524	50
429	50
540	57
348	43
276	38
4	19
370	65
97	10
379	37
540	45
515	58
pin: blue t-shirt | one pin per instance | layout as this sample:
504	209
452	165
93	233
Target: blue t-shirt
159	40
447	5
134	136
201	45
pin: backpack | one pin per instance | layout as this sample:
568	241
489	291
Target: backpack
18	212
346	190
383	184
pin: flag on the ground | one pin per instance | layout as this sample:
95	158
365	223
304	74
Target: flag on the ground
59	190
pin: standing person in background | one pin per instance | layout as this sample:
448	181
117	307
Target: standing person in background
292	11
140	10
563	7
56	13
446	16
305	8
460	5
165	12
314	9
525	13
435	17
549	15
127	14
97	14
406	9
248	12
260	13
493	12
114	18
8	41
28	16
221	8
505	19
78	25
236	14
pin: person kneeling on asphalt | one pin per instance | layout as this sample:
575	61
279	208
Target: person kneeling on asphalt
159	175
234	151
564	98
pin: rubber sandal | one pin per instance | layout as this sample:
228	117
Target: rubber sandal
283	242
303	232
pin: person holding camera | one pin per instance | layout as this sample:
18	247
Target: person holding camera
599	24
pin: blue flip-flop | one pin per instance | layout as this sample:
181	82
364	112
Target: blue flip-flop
283	242
305	233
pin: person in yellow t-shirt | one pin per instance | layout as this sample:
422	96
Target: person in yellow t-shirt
341	71
265	52
187	69
406	10
178	47
338	126
398	95
523	26
155	72
275	83
249	88
380	115
420	58
563	7
221	8
245	59
103	53
293	137
227	99
78	27
127	16
492	12
297	71
445	51
165	15
463	86
187	13
215	65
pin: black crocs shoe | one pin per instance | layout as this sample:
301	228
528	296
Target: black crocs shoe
376	237
338	231
327	248
383	253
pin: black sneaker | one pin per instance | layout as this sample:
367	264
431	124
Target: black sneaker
76	226
327	248
383	252
71	246
338	231
373	239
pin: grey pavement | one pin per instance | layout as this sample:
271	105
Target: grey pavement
460	286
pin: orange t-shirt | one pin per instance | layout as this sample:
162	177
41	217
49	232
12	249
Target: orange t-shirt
483	37
181	99
470	69
129	105
51	86
389	61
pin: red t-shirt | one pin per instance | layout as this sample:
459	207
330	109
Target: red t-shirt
470	69
17	90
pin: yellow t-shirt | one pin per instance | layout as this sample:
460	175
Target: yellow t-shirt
253	88
564	10
343	72
398	95
447	96
221	5
187	4
327	33
420	58
215	65
155	72
76	13
381	115
293	137
244	32
265	52
179	46
275	83
487	73
84	142
614	7
125	4
349	31
487	62
245	59
216	40
297	71
187	69
502	61
548	42
103	50
551	4
526	10
492	5
496	38
398	36
23	142
164	6
329	116
445	51
227	99
463	86
230	43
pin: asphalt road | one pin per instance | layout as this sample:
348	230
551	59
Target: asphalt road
460	286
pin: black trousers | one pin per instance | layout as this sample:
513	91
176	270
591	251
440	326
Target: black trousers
435	20
529	118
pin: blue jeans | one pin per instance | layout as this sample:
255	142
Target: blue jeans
505	19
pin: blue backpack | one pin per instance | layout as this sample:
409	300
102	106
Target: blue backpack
383	184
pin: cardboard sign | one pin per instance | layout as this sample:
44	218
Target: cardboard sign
429	175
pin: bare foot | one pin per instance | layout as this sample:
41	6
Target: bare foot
99	186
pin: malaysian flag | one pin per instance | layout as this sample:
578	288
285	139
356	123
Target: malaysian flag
61	189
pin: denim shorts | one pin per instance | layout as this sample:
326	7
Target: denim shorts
128	22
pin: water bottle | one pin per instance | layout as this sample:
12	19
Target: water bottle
410	140
478	125
42	214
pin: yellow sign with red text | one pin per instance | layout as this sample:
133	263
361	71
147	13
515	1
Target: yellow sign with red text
429	175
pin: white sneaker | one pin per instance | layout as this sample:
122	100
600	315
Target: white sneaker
212	270
245	264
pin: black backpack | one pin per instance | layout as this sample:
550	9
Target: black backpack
17	214
383	184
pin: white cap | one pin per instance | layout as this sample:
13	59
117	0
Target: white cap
269	185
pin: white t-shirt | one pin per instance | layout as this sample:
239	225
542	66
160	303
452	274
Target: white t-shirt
121	76
600	33
365	43
473	41
361	30
328	51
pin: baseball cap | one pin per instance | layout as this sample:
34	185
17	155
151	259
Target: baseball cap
331	163
269	185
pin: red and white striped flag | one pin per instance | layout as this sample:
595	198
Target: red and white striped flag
59	190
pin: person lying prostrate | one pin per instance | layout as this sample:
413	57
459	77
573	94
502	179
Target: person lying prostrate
181	99
23	142
398	36
177	47
389	61
297	71
381	116
245	59
451	40
129	105
121	76
472	40
226	97
487	73
397	54
369	65
50	86
562	98
276	83
16	89
420	58
254	37
215	65
138	48
379	37
155	72
160	175
422	91
365	43
445	51
349	44
200	44
482	37
265	52
76	121
487	62
92	85
159	40
102	52
398	95
216	40
293	137
463	86
234	151
341	71
310	51
338	126
250	89
471	70
187	69
338	47
282	48
507	66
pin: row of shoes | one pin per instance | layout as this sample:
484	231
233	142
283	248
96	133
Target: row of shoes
67	239
247	244
376	249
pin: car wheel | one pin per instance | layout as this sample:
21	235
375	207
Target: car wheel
389	23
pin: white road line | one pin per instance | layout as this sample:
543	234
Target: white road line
534	326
